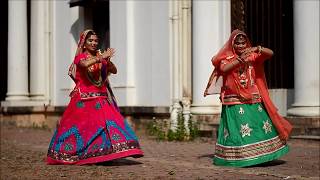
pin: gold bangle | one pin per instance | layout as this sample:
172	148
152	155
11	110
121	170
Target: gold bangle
98	60
259	49
240	59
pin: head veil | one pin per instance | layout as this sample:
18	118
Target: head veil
283	127
73	67
82	39
226	52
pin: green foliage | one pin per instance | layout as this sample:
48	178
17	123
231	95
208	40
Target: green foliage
162	131
193	129
42	126
154	129
180	133
171	135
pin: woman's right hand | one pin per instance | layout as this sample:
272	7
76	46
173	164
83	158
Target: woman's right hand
108	53
246	54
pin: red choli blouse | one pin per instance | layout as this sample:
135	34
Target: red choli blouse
91	81
239	81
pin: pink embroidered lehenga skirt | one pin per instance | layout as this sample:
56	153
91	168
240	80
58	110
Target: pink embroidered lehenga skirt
92	131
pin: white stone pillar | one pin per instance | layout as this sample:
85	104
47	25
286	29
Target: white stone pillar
17	51
306	58
176	79
122	38
186	64
185	42
211	28
39	49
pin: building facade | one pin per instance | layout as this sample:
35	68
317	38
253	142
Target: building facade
163	52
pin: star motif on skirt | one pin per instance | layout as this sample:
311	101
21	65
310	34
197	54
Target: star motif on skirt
226	133
241	111
259	108
267	126
245	130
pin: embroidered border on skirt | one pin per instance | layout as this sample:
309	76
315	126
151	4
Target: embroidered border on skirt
249	151
116	148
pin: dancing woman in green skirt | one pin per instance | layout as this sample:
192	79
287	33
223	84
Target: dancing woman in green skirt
251	131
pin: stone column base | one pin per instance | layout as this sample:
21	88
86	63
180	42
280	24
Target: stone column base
205	109
312	111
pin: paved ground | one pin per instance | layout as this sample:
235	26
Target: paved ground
23	152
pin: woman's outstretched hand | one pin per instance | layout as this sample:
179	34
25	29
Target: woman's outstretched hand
108	53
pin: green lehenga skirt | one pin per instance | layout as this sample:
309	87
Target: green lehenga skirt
247	137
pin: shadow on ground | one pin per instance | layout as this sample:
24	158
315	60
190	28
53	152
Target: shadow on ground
119	162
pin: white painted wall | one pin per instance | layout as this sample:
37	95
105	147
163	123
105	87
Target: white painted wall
160	54
139	31
152	53
122	39
66	27
282	99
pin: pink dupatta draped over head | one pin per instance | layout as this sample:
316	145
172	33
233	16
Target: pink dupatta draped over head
82	39
283	127
73	67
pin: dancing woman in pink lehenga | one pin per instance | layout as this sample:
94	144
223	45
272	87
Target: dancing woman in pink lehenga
92	129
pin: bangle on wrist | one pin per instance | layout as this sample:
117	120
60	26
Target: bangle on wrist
240	59
98	60
232	62
259	49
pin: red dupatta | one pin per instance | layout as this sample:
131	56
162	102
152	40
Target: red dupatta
283	127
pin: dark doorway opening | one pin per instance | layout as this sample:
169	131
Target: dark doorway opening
4	50
269	23
101	23
97	13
